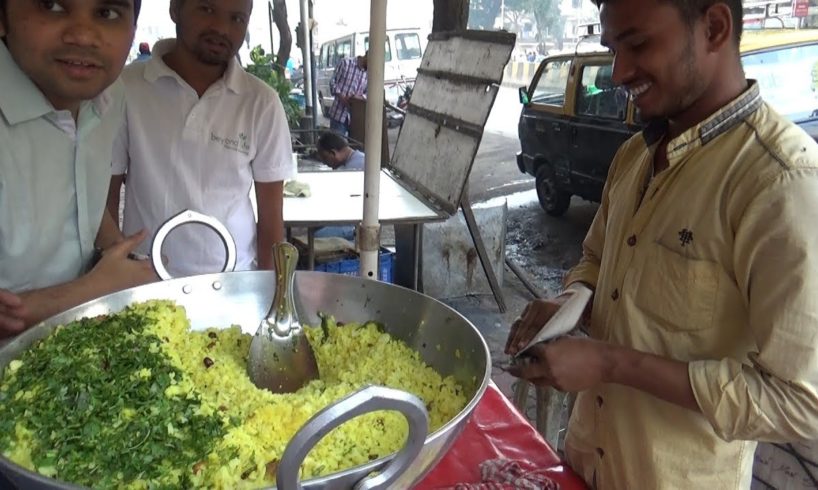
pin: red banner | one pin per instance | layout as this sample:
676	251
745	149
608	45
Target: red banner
800	8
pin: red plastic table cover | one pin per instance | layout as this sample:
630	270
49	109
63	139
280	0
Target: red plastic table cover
497	429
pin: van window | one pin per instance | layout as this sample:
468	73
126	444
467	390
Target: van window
330	61
550	87
323	58
407	46
343	50
788	79
387	49
598	95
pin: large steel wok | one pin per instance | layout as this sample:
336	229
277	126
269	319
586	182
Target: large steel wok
243	298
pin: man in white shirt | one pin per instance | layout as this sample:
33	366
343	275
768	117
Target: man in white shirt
60	109
199	131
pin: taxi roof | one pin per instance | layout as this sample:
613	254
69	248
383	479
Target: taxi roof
759	39
751	40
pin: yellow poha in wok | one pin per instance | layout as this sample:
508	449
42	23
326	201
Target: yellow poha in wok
137	400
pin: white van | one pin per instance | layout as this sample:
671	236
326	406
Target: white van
404	50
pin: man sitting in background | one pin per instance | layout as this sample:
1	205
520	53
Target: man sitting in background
144	52
335	152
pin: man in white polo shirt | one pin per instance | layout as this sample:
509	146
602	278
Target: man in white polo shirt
199	131
59	113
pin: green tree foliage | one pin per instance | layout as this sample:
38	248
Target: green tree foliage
547	15
483	13
262	67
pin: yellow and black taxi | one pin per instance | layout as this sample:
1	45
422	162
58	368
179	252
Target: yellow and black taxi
574	117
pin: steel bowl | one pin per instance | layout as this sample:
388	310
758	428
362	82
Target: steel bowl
445	340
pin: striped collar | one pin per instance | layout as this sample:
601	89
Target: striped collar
717	124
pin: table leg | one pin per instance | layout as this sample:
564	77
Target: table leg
409	259
520	395
549	414
416	264
479	245
311	249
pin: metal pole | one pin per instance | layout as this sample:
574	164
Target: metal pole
306	51
314	91
370	231
270	22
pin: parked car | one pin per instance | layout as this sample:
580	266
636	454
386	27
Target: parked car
574	118
404	50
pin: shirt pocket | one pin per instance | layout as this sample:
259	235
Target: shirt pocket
680	292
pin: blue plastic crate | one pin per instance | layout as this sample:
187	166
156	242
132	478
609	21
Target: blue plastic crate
349	267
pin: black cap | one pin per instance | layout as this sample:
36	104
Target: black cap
136	5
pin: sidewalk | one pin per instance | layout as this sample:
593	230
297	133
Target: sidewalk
519	73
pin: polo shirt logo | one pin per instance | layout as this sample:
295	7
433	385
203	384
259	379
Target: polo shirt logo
240	144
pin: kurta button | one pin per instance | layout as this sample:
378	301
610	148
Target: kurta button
615	294
632	240
599	401
600	452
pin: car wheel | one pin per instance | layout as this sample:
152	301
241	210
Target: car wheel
554	201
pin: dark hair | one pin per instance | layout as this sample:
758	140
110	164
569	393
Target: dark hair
330	141
137	6
691	10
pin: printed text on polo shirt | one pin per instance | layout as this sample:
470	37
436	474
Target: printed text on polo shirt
240	144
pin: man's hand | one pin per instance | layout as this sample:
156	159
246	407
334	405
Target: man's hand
531	320
12	314
118	272
568	364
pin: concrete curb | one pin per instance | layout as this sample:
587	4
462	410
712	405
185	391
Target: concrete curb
519	73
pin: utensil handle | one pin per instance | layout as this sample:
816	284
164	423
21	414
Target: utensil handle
282	316
365	400
185	217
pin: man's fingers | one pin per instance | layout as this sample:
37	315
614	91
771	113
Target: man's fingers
519	332
536	320
529	371
10	326
10	299
525	331
128	245
511	335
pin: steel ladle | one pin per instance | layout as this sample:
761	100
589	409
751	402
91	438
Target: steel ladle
281	359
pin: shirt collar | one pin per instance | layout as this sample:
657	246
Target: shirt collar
156	68
21	100
717	124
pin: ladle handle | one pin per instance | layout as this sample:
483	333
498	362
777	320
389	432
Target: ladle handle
282	316
365	400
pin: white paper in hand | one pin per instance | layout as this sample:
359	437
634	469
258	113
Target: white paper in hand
565	319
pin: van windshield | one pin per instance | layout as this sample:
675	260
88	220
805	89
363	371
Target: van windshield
387	50
408	46
788	79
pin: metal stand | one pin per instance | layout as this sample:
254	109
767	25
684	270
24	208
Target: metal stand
550	410
485	261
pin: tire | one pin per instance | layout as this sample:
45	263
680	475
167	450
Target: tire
553	200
